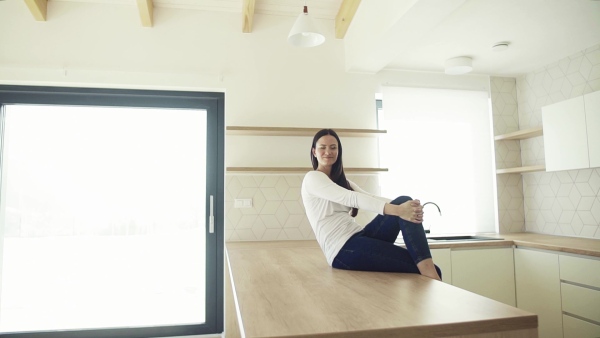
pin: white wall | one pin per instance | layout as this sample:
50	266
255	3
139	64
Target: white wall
564	203
266	83
509	187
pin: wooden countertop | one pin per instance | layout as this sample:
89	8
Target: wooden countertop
574	245
287	289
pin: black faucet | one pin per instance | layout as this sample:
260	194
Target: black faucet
440	211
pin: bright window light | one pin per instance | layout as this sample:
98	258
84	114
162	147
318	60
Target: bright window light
104	213
438	148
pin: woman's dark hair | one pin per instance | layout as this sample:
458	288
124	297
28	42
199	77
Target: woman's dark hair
337	170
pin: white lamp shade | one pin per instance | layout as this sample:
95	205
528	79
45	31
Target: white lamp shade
304	33
458	65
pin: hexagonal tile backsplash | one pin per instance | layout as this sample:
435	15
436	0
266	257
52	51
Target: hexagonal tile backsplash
277	212
563	203
559	203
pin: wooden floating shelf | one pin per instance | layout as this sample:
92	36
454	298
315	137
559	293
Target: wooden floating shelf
521	134
271	170
289	131
521	170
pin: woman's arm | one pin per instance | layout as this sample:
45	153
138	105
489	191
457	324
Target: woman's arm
411	211
355	187
319	185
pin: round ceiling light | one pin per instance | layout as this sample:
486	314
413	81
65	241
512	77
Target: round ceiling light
500	46
458	65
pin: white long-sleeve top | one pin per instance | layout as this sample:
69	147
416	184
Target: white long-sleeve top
327	208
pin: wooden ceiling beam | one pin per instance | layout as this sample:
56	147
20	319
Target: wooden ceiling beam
247	15
344	17
146	10
38	8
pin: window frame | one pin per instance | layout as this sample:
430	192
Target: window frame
214	104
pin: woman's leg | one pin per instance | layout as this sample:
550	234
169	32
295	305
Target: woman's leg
386	228
369	254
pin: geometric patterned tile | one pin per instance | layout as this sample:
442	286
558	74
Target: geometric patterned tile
585	189
294	207
596	210
586	217
277	211
594	182
574	198
293	221
566	202
509	187
577	225
282	214
586	203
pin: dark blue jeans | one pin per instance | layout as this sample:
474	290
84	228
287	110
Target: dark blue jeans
373	248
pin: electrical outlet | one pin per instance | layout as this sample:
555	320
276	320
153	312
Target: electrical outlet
242	203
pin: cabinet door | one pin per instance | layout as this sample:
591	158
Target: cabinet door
487	272
592	118
565	135
580	270
580	295
577	328
581	301
538	289
441	258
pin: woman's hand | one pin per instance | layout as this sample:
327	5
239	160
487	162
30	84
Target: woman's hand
411	211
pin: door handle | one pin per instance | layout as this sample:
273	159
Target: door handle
211	217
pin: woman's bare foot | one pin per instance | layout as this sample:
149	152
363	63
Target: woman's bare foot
426	268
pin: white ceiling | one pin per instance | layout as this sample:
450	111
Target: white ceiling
421	34
539	31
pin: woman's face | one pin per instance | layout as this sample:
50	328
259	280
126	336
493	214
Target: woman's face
326	151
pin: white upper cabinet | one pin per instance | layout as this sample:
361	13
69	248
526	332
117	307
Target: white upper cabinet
565	135
592	117
572	133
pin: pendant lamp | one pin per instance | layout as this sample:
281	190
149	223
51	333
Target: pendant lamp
304	33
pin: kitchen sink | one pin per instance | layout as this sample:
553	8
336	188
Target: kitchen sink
462	238
453	238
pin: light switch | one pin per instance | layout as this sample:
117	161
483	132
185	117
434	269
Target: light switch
242	203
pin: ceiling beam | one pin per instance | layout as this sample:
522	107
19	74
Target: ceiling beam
247	15
38	8
146	10
344	17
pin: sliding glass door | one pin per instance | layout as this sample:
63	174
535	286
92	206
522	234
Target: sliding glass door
111	213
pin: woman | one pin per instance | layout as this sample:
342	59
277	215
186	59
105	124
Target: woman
331	201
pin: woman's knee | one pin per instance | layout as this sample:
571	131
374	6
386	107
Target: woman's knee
401	199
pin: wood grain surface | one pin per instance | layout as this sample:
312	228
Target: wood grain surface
287	289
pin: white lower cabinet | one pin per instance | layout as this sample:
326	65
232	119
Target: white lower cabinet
581	301
538	289
580	293
488	272
562	289
577	328
442	258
